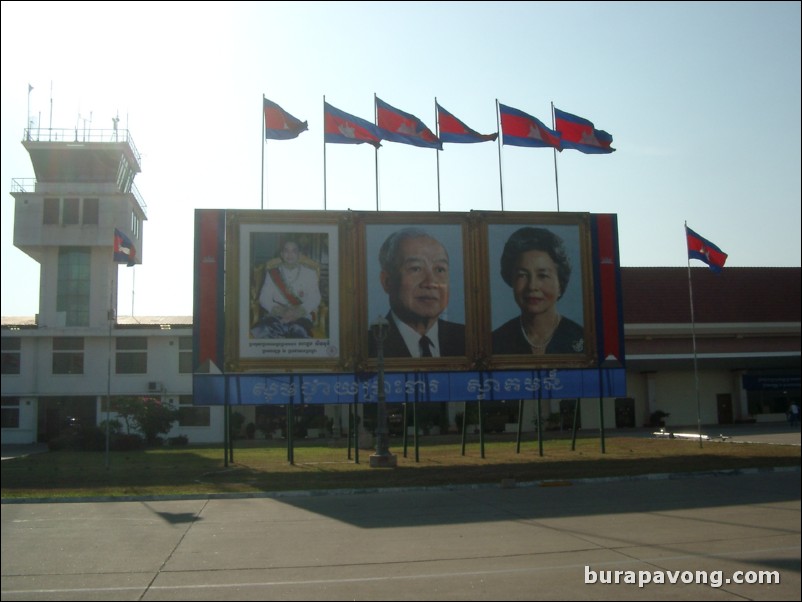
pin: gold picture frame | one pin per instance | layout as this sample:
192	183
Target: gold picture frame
255	339
456	326
571	341
342	249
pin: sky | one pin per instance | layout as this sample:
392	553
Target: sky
702	100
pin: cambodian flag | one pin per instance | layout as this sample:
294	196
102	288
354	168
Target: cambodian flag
341	128
704	250
580	134
453	130
520	129
124	249
280	125
398	126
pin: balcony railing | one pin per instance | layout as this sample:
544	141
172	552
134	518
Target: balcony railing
81	135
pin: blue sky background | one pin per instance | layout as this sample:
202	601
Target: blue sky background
702	99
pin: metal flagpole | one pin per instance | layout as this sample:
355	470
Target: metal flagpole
324	152
500	179
376	169
437	133
28	122
108	373
695	364
264	143
554	150
133	289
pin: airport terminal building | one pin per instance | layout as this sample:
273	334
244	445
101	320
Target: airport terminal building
736	359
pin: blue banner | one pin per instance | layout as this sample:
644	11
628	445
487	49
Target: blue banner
281	389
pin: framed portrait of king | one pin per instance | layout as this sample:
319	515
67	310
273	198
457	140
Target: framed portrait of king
416	291
283	291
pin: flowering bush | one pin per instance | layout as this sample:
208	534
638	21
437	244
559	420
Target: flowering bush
148	415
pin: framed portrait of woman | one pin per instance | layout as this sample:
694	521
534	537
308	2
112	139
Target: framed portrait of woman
539	284
415	290
283	291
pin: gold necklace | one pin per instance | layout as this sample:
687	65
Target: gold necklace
536	346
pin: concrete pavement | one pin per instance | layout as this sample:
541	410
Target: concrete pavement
480	543
525	542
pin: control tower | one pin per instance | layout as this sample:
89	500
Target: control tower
65	219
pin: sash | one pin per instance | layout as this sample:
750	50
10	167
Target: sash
275	276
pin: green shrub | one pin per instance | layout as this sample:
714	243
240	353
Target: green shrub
148	415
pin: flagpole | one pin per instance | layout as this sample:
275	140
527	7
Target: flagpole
108	369
264	143
693	337
500	133
554	150
324	152
133	289
28	122
376	150
437	130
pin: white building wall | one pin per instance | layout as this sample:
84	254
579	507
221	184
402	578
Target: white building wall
676	394
637	389
26	433
36	378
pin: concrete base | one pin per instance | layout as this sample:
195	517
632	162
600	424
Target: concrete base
383	461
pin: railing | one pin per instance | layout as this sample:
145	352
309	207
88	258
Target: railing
81	135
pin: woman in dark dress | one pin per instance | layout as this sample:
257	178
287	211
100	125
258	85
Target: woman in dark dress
535	265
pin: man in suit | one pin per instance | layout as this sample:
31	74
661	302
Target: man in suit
415	276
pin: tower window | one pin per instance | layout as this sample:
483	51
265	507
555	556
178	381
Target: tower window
52	210
72	293
72	209
91	212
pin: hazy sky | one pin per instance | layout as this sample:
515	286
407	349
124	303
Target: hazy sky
702	100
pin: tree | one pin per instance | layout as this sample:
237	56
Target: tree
146	414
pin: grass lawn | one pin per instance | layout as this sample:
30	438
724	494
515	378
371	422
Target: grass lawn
263	466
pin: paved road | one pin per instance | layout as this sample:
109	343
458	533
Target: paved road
483	543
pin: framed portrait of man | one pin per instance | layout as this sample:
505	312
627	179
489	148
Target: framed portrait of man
539	283
416	284
285	290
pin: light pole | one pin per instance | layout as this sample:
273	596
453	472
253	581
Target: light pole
382	458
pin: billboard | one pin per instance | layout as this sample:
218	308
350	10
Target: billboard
307	291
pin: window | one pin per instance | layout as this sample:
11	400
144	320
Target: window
135	225
91	212
68	355
72	296
184	355
9	413
51	213
72	210
190	415
132	355
11	354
